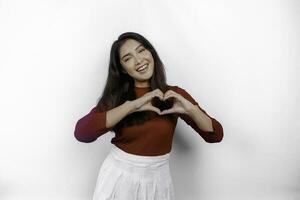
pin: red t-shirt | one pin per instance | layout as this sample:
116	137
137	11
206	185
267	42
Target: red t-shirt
151	138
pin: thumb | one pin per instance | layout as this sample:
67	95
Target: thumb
155	109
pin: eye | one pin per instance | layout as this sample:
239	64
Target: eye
127	59
142	50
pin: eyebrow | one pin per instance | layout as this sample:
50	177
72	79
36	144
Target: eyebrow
129	53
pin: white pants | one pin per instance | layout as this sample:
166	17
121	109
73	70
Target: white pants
125	176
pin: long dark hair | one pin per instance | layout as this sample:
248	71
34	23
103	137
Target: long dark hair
120	86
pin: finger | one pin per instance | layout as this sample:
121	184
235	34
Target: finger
167	93
159	94
149	97
154	95
155	109
161	97
169	111
171	95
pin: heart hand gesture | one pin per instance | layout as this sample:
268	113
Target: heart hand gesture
180	104
144	103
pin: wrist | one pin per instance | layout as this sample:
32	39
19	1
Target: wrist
193	110
130	105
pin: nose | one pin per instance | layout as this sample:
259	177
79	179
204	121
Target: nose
138	59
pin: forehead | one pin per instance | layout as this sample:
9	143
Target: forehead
129	45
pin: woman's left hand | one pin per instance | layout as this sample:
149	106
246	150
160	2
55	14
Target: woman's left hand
180	105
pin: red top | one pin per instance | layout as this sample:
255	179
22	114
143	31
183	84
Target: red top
151	138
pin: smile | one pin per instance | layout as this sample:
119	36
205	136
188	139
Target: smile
143	68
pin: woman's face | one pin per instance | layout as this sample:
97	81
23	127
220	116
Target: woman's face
137	61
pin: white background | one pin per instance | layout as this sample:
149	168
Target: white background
238	59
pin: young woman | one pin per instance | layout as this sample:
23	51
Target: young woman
142	109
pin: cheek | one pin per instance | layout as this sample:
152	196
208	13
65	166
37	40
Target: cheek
129	68
129	65
149	56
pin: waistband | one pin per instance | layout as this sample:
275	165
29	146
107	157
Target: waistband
138	160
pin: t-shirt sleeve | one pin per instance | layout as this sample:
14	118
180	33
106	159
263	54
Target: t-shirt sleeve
209	136
91	126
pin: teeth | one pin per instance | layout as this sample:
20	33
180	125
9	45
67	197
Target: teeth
142	68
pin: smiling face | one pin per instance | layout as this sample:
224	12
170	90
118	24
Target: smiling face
137	61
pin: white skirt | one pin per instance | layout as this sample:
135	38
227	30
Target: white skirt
125	176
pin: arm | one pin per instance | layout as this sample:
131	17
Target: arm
99	121
206	126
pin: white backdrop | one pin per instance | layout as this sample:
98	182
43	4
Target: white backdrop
238	59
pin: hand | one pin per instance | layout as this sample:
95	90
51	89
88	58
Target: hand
143	103
180	105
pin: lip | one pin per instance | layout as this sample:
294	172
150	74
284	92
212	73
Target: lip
142	66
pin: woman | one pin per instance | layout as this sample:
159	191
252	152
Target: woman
142	110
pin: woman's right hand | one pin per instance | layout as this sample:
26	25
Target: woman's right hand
143	103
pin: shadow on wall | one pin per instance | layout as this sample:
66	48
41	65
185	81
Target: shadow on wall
183	166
